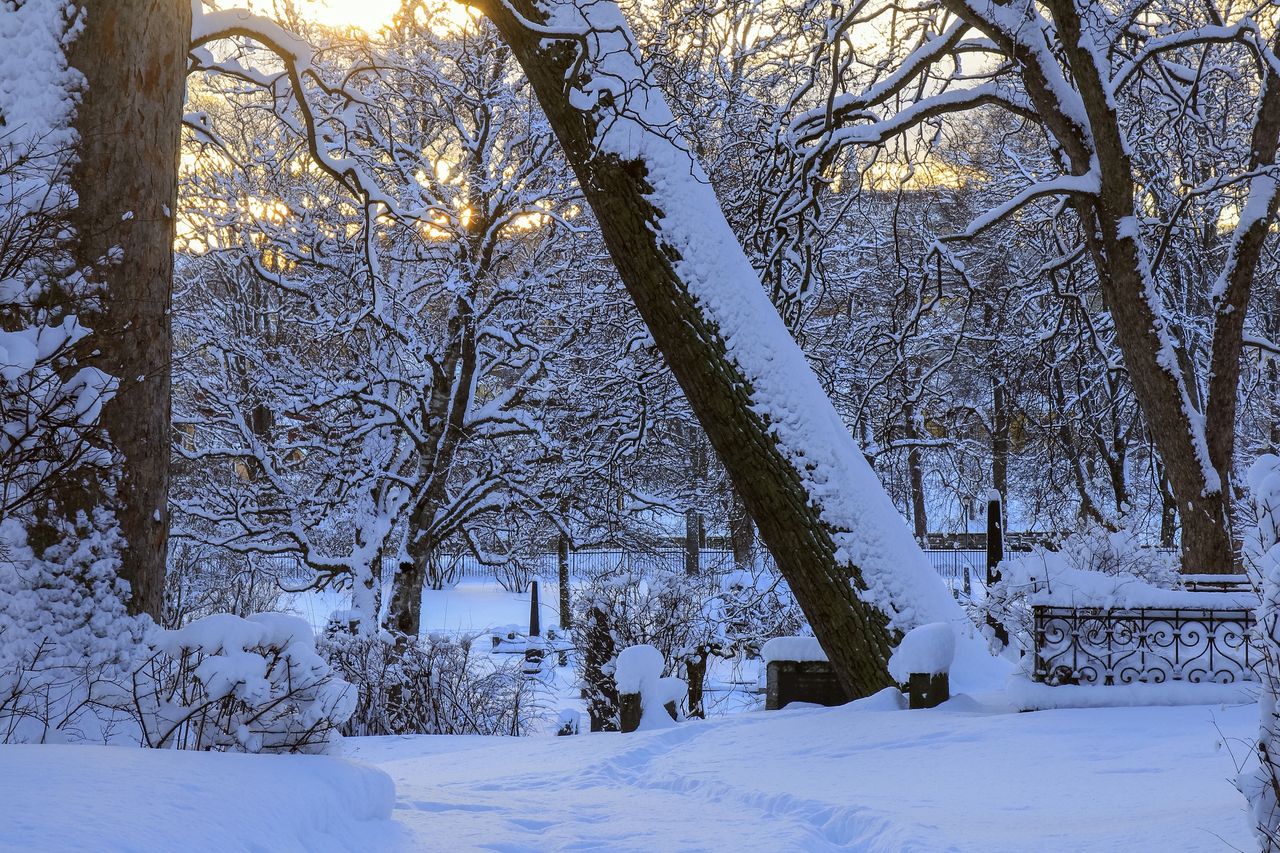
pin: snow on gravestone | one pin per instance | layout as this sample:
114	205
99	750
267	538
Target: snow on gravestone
921	663
647	699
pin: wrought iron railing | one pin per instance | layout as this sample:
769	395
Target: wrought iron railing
1082	645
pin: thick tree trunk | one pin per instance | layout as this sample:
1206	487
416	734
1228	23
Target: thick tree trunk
776	487
133	56
1197	457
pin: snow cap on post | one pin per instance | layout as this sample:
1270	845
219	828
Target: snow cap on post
929	650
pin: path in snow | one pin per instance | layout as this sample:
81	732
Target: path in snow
963	777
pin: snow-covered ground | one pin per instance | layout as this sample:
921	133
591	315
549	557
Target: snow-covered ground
56	799
970	775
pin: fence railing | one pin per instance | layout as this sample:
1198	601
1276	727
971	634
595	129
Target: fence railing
951	565
1084	645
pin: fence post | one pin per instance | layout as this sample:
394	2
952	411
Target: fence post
995	553
562	563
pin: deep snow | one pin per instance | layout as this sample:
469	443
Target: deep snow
970	775
60	798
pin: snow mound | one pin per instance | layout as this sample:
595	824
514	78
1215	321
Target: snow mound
639	670
636	666
930	649
118	798
793	648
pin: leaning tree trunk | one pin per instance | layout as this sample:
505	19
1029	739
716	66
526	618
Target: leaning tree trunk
842	546
133	56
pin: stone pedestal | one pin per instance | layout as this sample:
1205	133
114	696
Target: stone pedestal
802	681
927	691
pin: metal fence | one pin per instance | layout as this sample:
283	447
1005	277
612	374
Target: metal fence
951	565
1089	645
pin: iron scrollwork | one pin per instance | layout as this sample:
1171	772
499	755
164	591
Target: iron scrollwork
1144	645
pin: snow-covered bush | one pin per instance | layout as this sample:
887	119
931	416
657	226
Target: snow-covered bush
65	636
662	607
1092	567
231	684
431	685
1262	552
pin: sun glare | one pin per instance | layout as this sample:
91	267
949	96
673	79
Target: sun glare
368	15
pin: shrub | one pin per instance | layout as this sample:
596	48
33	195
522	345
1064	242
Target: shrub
1089	562
430	685
231	684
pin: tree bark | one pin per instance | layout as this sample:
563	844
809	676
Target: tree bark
133	56
855	634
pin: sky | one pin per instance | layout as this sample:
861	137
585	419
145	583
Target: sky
366	14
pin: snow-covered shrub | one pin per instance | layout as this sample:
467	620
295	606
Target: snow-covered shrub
431	685
1262	552
661	607
1090	567
65	636
231	684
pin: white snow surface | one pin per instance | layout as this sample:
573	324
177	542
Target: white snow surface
1028	695
929	649
971	775
637	665
793	648
100	798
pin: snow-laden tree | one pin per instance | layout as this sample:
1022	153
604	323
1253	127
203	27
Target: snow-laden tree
1156	129
837	538
408	353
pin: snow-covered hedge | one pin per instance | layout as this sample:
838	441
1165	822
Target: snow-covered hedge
65	638
1262	549
1092	568
232	684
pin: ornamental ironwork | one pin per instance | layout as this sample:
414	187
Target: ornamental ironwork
1083	645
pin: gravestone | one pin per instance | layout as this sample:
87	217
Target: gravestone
925	690
802	681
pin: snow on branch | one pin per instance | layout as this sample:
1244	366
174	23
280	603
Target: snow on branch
1065	185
